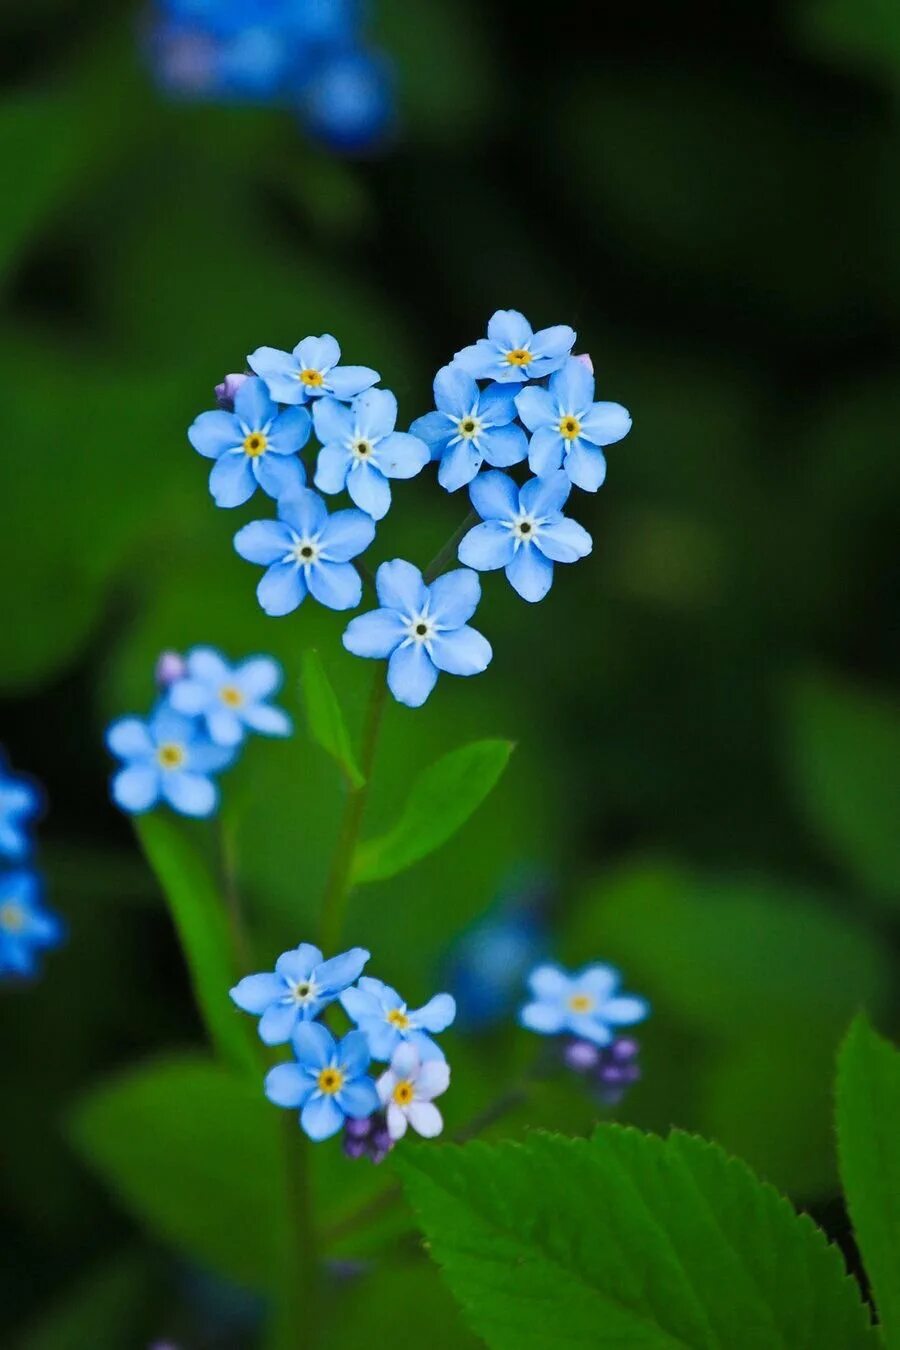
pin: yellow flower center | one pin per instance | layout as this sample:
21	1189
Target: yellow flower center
398	1018
570	427
231	696
12	917
519	357
313	379
171	755
330	1081
255	444
582	1003
403	1092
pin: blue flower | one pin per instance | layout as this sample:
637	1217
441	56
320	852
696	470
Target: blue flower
306	550
421	629
470	427
254	444
361	450
167	758
348	101
489	961
585	1004
569	427
310	371
230	699
26	926
20	801
328	1082
302	984
380	1012
513	353
524	531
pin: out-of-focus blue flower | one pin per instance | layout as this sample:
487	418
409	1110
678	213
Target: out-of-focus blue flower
524	531
254	444
328	1083
379	1012
585	1005
306	550
347	102
230	699
568	427
167	757
302	984
310	371
487	965
361	450
27	927
512	352
407	1089
20	803
469	427
421	629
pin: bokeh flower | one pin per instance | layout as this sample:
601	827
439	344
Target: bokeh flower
380	1013
230	699
585	1005
27	927
361	450
167	757
470	426
302	984
407	1090
310	371
512	352
568	427
20	803
255	444
328	1083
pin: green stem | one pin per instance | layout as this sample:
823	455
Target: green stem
296	1314
448	552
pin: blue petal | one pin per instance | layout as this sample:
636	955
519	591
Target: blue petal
387	997
400	586
359	1098
263	541
317	353
435	429
545	453
606	423
345	535
424	1046
353	1054
208	665
321	1117
258	677
530	573
333	421
279	474
454	597
573	386
411	675
545	496
509	329
462	652
299	963
332	468
266	720
357	1004
231	480
191	794
503	446
214	433
375	634
129	738
454	391
481	360
289	432
335	974
401	455
497	404
537	407
459	465
382	1036
553	343
282	589
375	412
304	511
371	491
136	788
254	993
564	541
314	1045
224	726
348	381
547	1018
205	757
253	406
487	546
335	585
437	1014
624	1010
279	371
495	496
588	1028
586	466
167	725
287	1085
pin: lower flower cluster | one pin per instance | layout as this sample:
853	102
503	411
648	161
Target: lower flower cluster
27	926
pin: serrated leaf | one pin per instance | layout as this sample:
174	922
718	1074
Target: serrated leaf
440	801
868	1122
628	1239
326	721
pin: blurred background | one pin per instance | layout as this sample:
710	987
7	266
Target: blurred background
706	779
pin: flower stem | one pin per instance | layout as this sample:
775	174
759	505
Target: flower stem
448	552
295	1315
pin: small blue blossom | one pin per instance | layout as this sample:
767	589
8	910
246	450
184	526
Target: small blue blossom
306	550
421	629
469	427
569	427
585	1005
524	531
256	444
348	101
167	757
361	450
310	371
20	802
381	1014
301	986
488	963
230	699
328	1083
27	927
513	353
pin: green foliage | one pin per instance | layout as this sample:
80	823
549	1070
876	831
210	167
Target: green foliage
868	1122
859	33
325	719
628	1239
105	1307
441	800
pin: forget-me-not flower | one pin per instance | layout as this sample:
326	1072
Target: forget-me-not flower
585	1004
523	531
20	802
568	427
167	757
469	427
361	450
306	550
230	699
310	371
407	1089
348	101
379	1012
421	629
512	352
254	444
27	927
328	1083
301	985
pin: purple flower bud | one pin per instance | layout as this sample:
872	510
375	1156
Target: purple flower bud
357	1129
582	1056
624	1048
170	667
381	1141
226	390
355	1148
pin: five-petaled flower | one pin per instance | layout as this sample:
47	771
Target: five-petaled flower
301	986
310	371
421	629
407	1090
306	550
524	531
469	427
585	1004
379	1012
230	699
512	352
27	927
20	802
361	450
167	757
328	1082
254	444
569	427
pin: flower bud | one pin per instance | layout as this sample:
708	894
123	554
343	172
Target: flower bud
226	390
170	667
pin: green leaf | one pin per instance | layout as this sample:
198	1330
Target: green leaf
628	1239
868	1122
326	721
846	769
198	910
440	801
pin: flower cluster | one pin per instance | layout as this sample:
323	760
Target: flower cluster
309	56
329	1080
203	713
27	926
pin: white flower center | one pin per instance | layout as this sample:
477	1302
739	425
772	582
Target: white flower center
469	427
304	551
303	992
362	448
420	629
524	528
12	917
